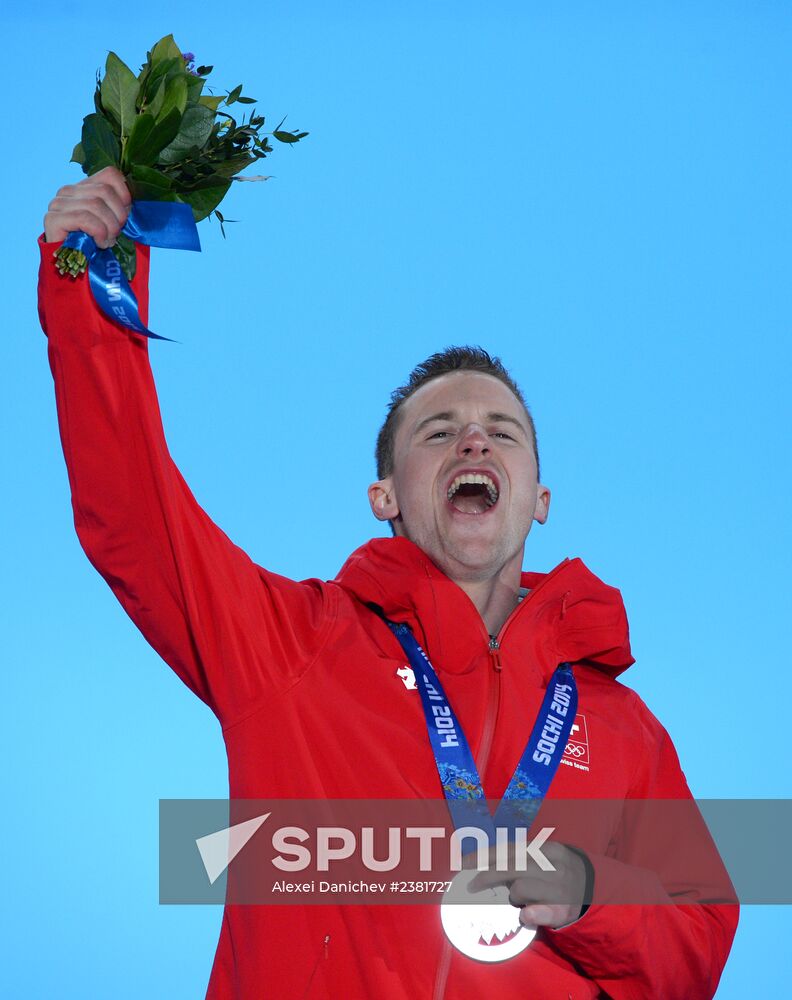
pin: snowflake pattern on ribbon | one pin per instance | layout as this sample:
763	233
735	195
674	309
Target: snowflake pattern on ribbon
459	783
522	787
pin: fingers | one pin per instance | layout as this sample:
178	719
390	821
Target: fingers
93	218
112	177
539	915
99	206
546	898
490	879
507	877
501	858
567	868
526	891
529	890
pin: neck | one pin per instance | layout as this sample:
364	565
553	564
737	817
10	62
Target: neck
495	599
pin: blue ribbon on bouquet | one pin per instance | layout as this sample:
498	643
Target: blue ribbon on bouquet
166	224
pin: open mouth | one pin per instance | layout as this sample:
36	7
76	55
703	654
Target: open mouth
473	493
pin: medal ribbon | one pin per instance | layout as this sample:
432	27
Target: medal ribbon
165	224
456	767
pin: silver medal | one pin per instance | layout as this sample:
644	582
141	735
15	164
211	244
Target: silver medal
487	930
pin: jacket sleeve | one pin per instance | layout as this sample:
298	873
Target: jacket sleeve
231	631
674	945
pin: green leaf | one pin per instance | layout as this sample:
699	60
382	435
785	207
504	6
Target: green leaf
204	70
147	184
119	92
165	131
205	200
175	97
184	173
150	176
194	87
234	94
165	48
157	99
126	255
210	102
153	89
285	136
196	126
78	154
222	220
148	138
134	150
100	146
246	100
233	165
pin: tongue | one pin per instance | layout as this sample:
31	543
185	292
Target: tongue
470	499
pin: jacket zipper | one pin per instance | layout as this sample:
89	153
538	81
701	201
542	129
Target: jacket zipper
494	694
490	718
493	704
324	953
443	968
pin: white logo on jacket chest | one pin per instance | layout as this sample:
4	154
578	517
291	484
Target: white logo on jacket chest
576	752
408	677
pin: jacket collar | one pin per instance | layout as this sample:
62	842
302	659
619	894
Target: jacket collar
569	616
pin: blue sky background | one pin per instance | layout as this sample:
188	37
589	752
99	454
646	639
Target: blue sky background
599	193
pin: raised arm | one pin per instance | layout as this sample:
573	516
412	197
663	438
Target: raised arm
230	630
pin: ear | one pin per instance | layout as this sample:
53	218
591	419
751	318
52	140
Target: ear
542	508
383	501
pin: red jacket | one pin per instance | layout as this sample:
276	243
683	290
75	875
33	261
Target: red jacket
309	669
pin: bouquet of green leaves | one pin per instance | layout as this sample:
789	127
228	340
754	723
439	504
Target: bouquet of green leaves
170	140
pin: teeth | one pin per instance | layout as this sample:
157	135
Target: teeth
469	477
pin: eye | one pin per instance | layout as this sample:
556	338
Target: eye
503	434
439	434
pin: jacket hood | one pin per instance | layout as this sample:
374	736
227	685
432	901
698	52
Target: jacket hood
570	615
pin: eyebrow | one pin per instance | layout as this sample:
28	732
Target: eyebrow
490	418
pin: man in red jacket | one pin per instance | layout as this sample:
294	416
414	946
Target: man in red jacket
313	667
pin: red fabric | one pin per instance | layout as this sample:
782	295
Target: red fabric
302	677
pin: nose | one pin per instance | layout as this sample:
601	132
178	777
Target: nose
473	441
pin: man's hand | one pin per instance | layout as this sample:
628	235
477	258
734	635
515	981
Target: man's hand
99	206
546	899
